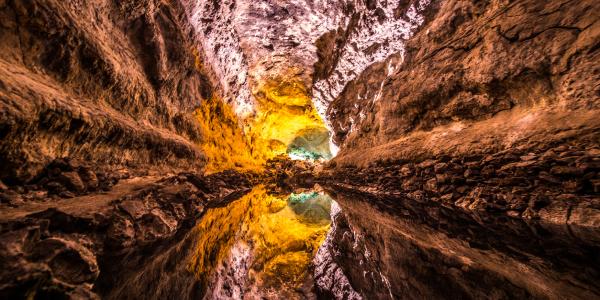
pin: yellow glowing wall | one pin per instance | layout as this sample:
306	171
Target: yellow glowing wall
224	143
284	109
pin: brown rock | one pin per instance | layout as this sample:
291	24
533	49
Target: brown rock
549	178
11	198
121	233
89	178
441	167
69	261
431	185
54	187
405	171
134	208
595	185
72	181
471	173
566	171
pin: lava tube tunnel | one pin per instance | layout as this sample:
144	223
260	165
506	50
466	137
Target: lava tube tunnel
299	149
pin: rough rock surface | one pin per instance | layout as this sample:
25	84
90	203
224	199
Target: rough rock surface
471	127
475	64
515	182
249	42
494	107
105	81
82	251
371	31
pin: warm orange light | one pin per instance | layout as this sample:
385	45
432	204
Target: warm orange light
282	240
284	110
224	143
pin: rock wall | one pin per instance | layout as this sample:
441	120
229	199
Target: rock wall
494	107
474	62
250	42
104	81
371	31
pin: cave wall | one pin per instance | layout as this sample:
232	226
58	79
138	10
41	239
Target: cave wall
104	81
250	43
474	61
493	107
370	32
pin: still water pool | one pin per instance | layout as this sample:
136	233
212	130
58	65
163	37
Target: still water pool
261	245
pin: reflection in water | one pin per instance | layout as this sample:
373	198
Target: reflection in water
302	245
395	248
261	245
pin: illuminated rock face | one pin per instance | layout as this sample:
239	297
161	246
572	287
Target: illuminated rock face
262	53
223	142
102	81
247	42
470	81
284	113
311	144
274	58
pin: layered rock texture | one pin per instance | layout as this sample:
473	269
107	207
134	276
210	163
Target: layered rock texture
494	106
103	81
492	72
101	245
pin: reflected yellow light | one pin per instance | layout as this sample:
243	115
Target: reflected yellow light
282	242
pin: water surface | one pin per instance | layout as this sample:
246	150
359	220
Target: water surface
305	245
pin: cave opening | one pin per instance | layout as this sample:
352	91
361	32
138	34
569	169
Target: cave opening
311	144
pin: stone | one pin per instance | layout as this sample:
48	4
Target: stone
121	233
566	171
89	178
549	178
441	167
572	186
11	198
471	173
155	225
72	181
54	187
134	208
595	185
513	213
71	262
487	171
405	171
442	178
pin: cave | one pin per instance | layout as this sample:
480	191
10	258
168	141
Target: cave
300	149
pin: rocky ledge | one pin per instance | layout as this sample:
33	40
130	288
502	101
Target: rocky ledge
76	247
556	183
